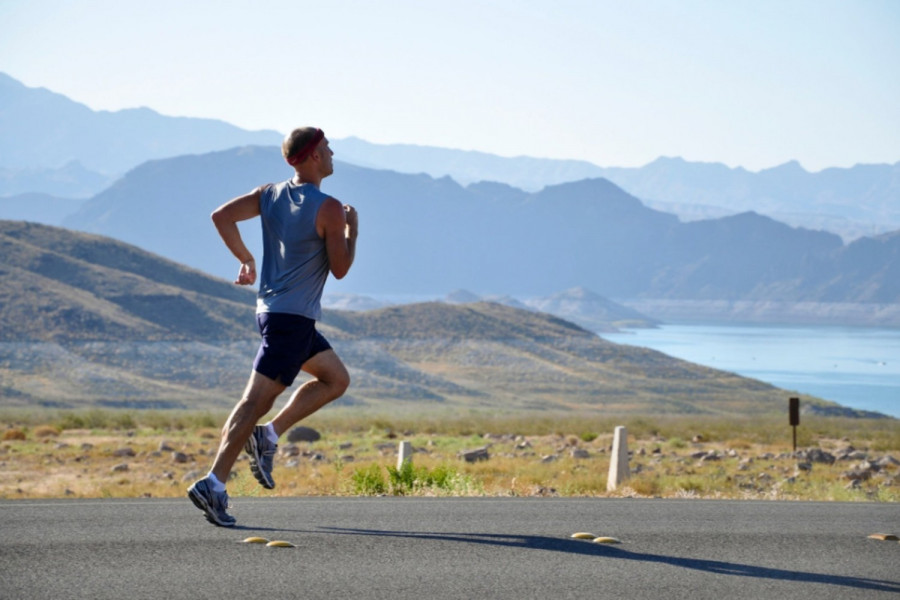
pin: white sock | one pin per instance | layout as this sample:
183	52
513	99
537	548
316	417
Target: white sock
217	485
270	432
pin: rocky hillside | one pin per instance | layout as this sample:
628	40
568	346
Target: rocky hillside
90	321
58	285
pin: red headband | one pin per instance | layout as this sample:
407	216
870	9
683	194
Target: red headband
303	153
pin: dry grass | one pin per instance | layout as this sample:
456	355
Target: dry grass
48	455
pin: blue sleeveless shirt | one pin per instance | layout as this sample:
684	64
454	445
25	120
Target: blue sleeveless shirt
295	262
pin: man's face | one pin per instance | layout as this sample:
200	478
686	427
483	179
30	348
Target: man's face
325	154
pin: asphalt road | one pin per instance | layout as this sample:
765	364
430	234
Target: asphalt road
434	548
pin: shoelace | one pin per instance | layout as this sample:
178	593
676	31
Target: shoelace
223	500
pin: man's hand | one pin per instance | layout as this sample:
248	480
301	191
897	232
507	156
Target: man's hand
352	222
247	274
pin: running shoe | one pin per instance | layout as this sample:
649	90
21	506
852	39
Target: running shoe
213	504
261	452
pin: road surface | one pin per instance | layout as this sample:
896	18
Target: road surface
442	548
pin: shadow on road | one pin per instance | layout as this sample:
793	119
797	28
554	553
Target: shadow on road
256	528
606	551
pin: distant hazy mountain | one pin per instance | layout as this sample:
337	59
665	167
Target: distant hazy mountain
71	180
164	205
53	145
578	305
42	129
863	200
590	310
860	201
356	302
467	297
86	320
425	236
464	166
38	208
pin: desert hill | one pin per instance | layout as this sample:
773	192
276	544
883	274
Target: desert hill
59	285
89	321
436	320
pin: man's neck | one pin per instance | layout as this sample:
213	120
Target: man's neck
300	179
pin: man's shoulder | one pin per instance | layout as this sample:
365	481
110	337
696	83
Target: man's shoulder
271	192
269	189
275	187
312	193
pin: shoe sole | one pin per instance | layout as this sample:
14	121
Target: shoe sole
252	449
201	503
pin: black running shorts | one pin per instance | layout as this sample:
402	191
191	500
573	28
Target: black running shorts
288	341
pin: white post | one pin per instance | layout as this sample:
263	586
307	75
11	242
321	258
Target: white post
618	464
404	454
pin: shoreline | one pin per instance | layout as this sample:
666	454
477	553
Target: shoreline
853	367
768	312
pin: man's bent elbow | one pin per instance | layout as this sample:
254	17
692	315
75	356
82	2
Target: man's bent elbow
340	265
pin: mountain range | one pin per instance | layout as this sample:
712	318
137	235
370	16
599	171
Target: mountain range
55	146
863	200
90	321
426	236
45	130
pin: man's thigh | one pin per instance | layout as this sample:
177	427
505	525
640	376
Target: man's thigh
261	388
326	366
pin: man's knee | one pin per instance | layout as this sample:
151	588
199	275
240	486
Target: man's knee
338	379
343	382
329	370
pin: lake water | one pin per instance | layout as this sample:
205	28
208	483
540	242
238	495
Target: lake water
855	367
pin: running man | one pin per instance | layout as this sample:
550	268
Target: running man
306	235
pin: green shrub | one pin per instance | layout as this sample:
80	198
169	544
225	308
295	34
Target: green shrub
122	421
402	480
368	481
691	484
71	421
443	477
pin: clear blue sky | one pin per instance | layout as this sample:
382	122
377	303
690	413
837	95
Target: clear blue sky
750	84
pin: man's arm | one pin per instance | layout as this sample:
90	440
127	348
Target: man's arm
226	218
338	225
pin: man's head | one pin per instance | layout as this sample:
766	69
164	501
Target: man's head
304	143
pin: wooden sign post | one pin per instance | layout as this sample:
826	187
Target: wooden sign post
794	415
